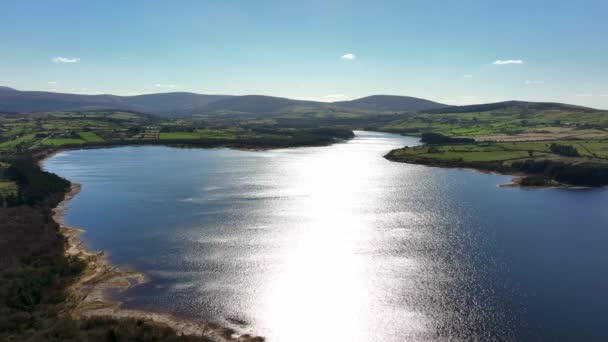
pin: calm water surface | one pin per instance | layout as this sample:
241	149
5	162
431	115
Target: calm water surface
337	244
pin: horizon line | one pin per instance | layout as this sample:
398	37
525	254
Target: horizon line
303	99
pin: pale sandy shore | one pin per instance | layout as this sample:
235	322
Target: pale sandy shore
87	296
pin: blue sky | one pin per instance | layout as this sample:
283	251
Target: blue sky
441	50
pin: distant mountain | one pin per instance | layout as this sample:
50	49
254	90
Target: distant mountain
12	100
257	105
172	103
391	103
179	104
510	104
185	104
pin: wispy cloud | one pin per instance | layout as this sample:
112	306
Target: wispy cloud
65	60
159	85
349	56
508	61
467	77
52	82
534	82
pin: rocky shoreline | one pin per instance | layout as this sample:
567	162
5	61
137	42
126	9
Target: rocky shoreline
87	296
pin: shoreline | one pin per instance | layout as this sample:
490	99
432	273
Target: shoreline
517	178
42	155
87	296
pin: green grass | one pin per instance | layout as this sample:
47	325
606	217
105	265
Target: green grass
8	189
504	122
179	136
505	152
11	144
63	142
90	137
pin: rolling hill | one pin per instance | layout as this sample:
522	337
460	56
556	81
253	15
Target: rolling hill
391	103
521	105
185	104
165	104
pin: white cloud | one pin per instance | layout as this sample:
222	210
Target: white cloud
508	61
159	85
534	82
52	82
349	56
65	60
467	77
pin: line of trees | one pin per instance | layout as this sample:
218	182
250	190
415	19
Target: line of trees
34	184
436	138
564	150
585	174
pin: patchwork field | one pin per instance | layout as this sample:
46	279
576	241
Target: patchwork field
508	124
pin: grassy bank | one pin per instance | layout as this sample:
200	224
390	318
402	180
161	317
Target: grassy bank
570	162
509	123
24	133
552	143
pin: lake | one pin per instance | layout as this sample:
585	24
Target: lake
338	244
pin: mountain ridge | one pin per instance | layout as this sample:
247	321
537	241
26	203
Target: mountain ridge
508	104
391	103
175	104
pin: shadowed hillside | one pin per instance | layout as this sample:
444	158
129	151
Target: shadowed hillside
186	104
391	103
161	104
509	104
254	105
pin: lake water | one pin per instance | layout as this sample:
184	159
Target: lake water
338	244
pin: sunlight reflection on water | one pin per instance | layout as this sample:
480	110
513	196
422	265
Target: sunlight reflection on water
310	244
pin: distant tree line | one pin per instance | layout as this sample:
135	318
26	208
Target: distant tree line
34	185
437	138
564	150
585	174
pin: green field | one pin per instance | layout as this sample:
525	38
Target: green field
588	167
595	150
7	189
63	141
507	124
90	137
12	144
179	136
23	133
